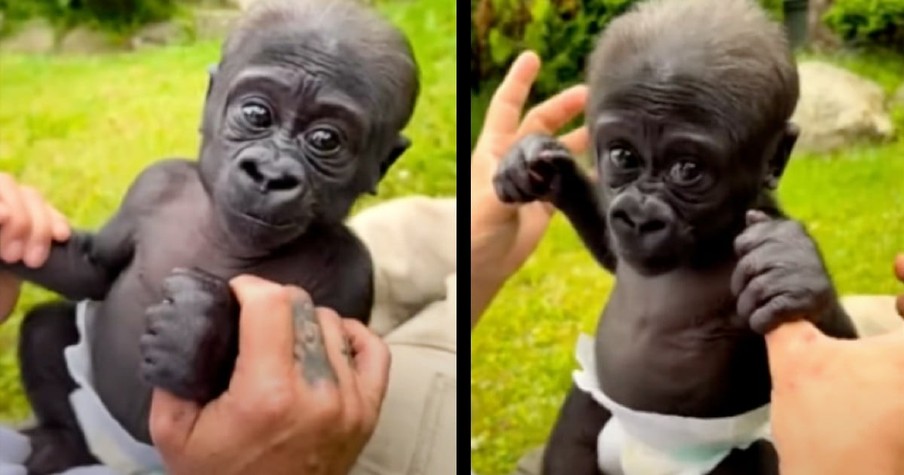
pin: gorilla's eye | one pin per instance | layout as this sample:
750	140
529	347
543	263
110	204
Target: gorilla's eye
685	173
257	115
623	157
324	140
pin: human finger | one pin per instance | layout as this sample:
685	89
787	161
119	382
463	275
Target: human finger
171	421
266	336
899	267
371	361
60	225
16	225
576	141
554	113
10	287
308	345
787	344
37	246
337	348
505	107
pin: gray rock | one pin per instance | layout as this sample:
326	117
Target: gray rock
838	108
84	41
34	37
162	34
819	35
214	24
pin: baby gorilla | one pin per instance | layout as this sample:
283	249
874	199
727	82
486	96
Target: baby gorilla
303	115
688	115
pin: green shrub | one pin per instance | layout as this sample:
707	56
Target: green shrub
869	22
114	15
562	32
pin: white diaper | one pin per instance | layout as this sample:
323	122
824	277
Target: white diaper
106	438
645	443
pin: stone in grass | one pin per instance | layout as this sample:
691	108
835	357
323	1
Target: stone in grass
34	37
85	41
837	108
214	24
164	33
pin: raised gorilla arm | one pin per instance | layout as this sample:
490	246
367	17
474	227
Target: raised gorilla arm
539	167
85	266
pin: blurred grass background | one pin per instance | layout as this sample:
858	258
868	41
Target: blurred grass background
79	129
522	352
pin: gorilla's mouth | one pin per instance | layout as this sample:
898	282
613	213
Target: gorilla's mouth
264	221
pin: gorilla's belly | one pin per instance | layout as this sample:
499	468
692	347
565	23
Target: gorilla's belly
711	370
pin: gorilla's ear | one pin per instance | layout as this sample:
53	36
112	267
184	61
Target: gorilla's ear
212	74
401	144
776	165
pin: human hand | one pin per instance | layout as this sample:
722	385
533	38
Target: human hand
300	401
28	226
503	235
838	402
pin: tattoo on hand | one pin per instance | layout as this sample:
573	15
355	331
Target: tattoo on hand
310	351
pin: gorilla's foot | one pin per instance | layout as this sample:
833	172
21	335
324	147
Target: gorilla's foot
54	450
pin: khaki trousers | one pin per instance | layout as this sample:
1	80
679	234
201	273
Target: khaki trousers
412	242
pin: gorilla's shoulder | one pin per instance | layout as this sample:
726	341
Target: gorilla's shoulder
160	182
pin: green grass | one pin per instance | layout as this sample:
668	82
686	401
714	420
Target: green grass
80	130
522	351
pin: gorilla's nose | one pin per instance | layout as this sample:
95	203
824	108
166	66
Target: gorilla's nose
640	218
270	175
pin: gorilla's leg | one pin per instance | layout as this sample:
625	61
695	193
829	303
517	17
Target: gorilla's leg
758	459
572	448
57	442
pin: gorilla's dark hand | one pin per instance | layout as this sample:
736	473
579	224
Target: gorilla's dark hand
532	170
780	274
190	341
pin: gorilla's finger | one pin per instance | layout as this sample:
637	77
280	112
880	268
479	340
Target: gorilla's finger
753	294
752	237
749	266
777	310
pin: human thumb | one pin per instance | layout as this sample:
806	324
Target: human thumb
172	420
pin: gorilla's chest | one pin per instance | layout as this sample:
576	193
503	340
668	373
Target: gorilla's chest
673	345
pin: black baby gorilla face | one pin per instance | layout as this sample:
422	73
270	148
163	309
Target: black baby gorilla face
297	139
294	139
673	180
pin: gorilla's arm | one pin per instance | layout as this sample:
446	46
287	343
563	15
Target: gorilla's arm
572	446
540	168
85	266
